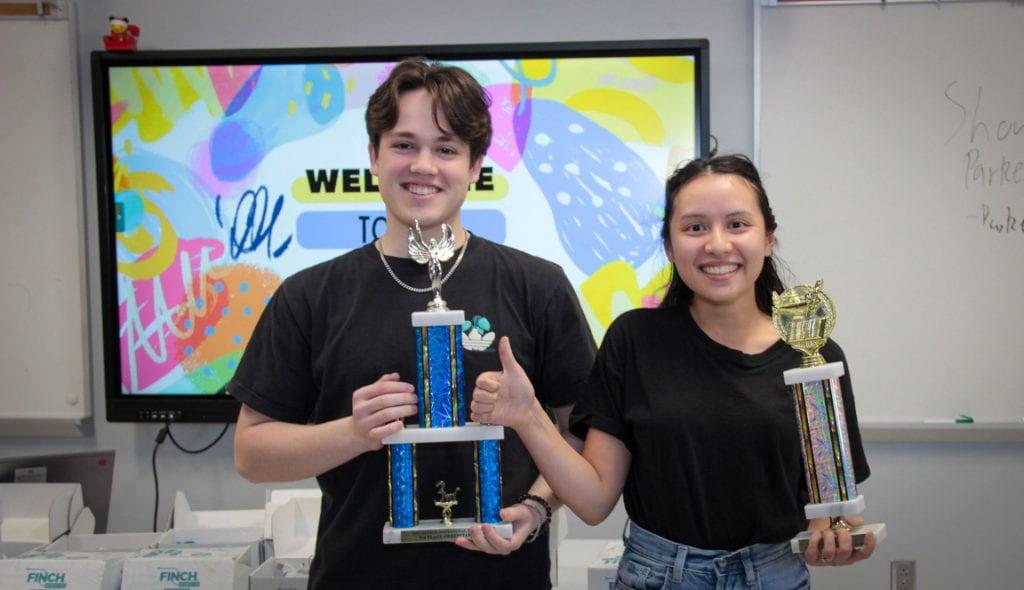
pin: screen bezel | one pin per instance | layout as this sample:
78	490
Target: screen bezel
221	407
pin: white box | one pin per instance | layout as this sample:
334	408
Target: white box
189	523
281	573
557	531
293	528
54	570
125	542
184	517
601	572
276	499
188	568
89	562
33	515
250	537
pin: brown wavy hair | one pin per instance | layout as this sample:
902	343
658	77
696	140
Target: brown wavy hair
456	95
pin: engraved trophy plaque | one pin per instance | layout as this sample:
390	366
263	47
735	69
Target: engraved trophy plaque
442	419
804	317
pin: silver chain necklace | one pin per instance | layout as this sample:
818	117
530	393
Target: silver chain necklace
444	279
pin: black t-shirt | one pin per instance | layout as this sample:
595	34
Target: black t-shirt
340	325
713	433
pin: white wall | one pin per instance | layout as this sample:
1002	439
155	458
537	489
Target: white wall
934	497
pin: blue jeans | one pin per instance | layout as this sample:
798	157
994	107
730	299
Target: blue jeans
651	562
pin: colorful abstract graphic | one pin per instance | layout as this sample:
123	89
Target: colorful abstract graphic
230	178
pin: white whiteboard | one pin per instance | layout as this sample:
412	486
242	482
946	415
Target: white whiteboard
871	136
42	341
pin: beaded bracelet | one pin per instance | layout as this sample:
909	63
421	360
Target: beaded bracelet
546	516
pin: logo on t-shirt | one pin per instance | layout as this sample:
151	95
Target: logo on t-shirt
477	335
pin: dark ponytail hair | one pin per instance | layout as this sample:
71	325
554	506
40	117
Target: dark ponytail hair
768	281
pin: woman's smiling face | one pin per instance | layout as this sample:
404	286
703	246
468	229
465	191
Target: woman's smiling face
718	240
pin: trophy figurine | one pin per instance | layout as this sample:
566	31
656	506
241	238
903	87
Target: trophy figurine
442	418
804	317
445	501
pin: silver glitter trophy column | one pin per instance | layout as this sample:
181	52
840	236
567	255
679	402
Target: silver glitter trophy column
442	419
804	317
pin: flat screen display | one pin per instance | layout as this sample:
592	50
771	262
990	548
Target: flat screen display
221	173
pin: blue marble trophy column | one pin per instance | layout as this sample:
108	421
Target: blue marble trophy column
442	414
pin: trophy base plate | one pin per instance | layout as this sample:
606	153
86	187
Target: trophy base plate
830	509
799	543
432	531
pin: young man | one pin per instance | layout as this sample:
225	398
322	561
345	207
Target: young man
327	373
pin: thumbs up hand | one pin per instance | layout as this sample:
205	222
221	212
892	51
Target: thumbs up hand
506	397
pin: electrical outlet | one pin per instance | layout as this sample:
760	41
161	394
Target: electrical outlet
903	575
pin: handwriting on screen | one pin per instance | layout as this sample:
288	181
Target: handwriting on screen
250	226
149	332
993	159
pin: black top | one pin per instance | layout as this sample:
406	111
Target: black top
339	325
716	460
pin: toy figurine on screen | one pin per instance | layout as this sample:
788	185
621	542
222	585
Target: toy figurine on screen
442	418
123	35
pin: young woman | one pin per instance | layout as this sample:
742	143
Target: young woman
687	414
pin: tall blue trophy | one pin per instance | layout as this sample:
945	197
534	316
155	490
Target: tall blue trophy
442	419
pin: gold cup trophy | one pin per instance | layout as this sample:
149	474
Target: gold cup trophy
804	316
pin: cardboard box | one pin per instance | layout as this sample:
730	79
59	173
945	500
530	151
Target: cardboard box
601	572
281	573
188	568
278	498
57	570
216	528
184	517
125	542
88	562
275	500
557	531
250	537
293	529
33	515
